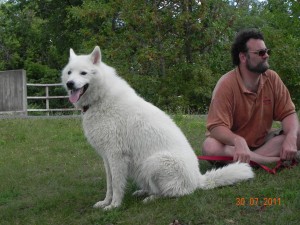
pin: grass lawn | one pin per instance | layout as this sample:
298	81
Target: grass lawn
50	175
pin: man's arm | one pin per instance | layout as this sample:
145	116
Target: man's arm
290	125
227	137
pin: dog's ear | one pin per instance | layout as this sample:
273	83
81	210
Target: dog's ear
72	53
96	55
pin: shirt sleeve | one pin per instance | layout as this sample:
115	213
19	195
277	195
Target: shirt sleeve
220	111
283	105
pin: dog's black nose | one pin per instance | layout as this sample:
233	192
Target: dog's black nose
70	85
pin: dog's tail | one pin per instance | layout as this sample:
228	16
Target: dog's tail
227	175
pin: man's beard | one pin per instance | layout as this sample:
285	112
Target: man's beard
259	68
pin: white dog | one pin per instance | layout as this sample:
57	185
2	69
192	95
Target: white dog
135	138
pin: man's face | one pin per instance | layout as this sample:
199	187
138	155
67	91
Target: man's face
257	56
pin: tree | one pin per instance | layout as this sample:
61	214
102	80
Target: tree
171	51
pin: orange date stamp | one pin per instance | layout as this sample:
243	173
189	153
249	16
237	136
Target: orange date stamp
253	201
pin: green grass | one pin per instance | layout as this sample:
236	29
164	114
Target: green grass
50	175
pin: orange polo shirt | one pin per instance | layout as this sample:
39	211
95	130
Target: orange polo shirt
247	114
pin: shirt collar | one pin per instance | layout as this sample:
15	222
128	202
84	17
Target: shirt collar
262	81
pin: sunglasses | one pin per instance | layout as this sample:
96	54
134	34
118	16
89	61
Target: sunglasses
262	52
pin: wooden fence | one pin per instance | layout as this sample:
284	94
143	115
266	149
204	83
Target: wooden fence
47	98
13	92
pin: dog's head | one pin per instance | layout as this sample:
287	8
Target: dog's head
78	74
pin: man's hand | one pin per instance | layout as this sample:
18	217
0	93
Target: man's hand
290	126
289	148
242	151
227	137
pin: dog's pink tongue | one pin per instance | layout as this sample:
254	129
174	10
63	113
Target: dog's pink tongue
75	95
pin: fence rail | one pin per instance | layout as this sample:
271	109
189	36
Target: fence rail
47	97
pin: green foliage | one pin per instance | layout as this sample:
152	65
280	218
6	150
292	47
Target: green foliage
283	38
172	52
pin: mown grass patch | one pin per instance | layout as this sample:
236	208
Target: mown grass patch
49	174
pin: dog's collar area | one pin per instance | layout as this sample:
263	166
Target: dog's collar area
85	108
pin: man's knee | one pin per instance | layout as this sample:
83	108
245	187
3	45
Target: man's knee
210	146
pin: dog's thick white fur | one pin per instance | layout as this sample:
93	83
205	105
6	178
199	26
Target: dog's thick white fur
135	138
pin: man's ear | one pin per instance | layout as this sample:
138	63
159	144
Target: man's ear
243	57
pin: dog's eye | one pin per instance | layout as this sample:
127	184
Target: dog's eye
83	73
69	72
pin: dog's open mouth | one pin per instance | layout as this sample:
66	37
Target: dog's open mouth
77	93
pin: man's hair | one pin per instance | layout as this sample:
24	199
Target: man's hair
241	39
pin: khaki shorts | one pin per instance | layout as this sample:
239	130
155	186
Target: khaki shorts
273	133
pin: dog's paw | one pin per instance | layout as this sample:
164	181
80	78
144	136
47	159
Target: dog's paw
150	198
101	204
107	205
140	193
111	206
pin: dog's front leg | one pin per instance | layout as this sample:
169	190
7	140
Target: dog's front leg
118	167
119	172
109	191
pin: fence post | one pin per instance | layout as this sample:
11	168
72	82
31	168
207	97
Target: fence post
47	100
